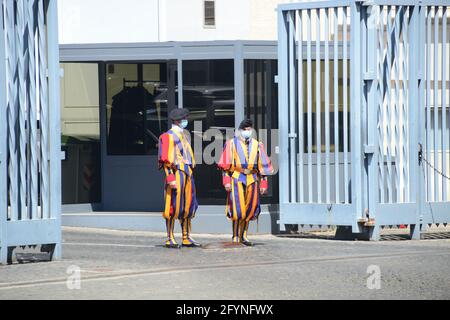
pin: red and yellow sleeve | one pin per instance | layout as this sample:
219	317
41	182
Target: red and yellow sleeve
166	156
265	167
225	162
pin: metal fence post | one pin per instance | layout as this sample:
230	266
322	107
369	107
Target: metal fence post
239	94
355	111
3	147
283	106
54	74
416	111
179	76
370	96
292	107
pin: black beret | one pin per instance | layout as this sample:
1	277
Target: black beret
245	124
178	114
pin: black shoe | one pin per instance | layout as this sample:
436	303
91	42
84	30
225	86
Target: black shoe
173	246
247	243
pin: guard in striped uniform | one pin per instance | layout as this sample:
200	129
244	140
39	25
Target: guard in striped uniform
245	166
177	159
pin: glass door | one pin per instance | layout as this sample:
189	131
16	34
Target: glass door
138	98
208	92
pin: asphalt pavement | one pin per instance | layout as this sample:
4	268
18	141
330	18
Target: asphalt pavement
108	264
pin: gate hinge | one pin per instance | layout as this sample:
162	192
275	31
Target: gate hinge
420	75
366	3
370	149
368	222
420	154
369	76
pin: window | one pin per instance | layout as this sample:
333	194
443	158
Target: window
80	134
208	93
261	105
136	105
210	13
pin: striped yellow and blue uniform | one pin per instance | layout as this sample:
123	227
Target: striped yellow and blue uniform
177	160
245	166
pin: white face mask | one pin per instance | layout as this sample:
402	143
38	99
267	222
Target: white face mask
246	134
183	124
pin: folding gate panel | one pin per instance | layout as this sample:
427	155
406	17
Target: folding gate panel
435	107
30	126
392	99
378	154
317	129
412	138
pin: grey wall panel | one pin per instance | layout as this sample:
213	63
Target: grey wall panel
132	184
166	51
209	223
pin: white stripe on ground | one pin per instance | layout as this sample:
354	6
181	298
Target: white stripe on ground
88	244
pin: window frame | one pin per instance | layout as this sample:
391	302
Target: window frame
209	26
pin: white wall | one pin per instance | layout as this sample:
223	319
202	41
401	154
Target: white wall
103	21
264	19
184	20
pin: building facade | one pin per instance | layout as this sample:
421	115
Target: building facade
117	21
217	58
218	52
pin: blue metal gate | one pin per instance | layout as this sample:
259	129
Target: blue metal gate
30	153
364	138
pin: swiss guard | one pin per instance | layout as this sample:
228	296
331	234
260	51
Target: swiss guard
177	159
245	166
